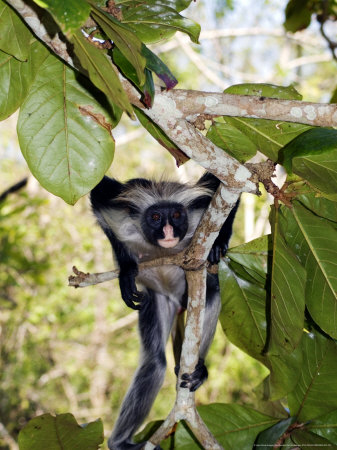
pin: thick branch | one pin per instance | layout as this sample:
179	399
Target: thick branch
198	147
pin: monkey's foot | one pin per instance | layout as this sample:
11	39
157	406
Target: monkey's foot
194	380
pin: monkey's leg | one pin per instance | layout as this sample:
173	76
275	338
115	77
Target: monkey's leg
194	380
155	322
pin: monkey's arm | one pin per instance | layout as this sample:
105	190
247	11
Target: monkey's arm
102	199
128	270
220	245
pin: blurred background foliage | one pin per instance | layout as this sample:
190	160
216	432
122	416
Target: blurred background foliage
76	350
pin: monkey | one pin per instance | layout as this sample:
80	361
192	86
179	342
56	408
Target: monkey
143	220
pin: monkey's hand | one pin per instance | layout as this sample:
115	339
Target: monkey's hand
194	380
127	283
219	249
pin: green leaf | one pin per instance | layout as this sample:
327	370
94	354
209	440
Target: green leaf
124	38
287	289
269	136
129	71
320	206
314	241
161	137
298	15
69	14
159	68
325	426
60	432
252	257
232	140
64	133
265	90
234	426
178	5
309	441
270	436
154	20
16	77
244	321
15	36
242	316
313	156
101	71
316	391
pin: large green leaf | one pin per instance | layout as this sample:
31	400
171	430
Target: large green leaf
69	14
234	426
243	316
101	71
15	36
287	289
314	241
16	77
154	20
269	136
124	38
313	156
326	426
316	391
64	133
245	300
60	432
244	321
232	140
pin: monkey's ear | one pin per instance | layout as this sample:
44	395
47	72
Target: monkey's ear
200	202
106	190
209	180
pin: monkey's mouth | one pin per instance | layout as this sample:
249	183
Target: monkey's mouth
168	243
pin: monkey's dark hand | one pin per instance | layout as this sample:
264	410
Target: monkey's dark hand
127	284
219	249
194	380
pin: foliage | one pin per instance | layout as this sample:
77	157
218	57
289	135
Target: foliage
299	13
278	292
77	117
60	433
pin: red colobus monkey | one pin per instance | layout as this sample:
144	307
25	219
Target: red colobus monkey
143	220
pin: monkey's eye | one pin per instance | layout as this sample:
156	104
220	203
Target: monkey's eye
176	214
155	217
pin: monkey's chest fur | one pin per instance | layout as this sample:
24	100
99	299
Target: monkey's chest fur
166	280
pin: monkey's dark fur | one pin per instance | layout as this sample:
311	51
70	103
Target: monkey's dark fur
143	220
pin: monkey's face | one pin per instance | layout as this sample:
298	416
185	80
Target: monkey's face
165	224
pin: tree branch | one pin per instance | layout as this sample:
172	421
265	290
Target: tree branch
193	103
